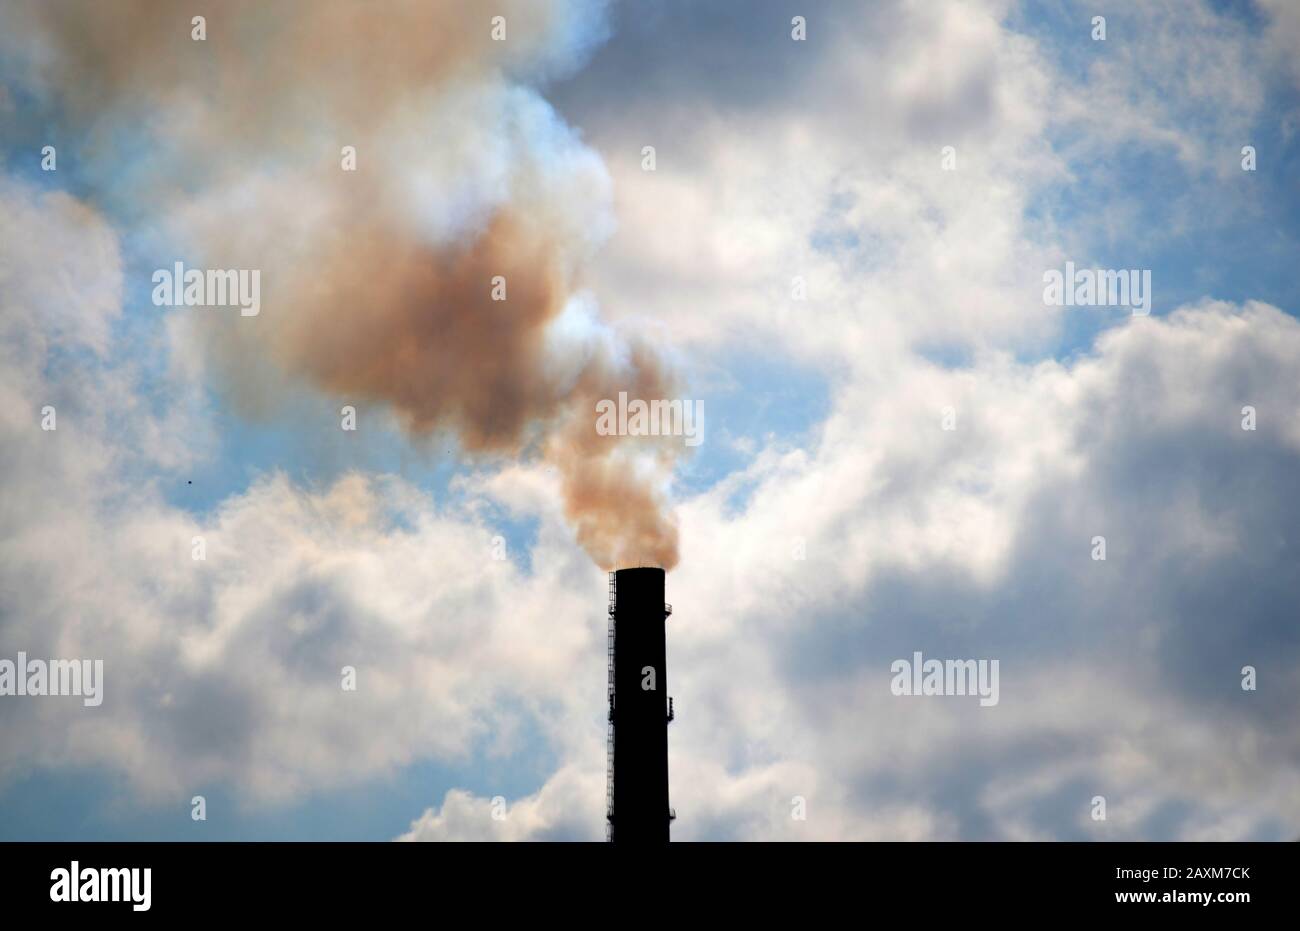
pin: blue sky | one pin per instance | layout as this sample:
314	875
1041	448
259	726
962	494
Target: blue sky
776	158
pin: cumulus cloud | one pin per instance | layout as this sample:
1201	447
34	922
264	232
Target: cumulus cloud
1283	34
228	669
567	808
1120	678
1116	675
834	180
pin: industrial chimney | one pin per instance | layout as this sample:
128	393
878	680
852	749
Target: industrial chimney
639	711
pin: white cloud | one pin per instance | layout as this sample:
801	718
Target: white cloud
568	807
1283	34
229	669
977	543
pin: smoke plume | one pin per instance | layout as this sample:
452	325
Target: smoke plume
377	284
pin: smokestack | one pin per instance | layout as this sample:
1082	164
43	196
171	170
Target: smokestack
639	709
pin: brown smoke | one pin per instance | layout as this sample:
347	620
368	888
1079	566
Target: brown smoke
349	56
377	285
613	505
417	328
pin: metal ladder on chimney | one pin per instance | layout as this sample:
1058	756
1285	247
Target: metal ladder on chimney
609	739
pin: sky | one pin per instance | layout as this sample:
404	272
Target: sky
905	448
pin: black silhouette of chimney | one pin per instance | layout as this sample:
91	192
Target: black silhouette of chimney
639	709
